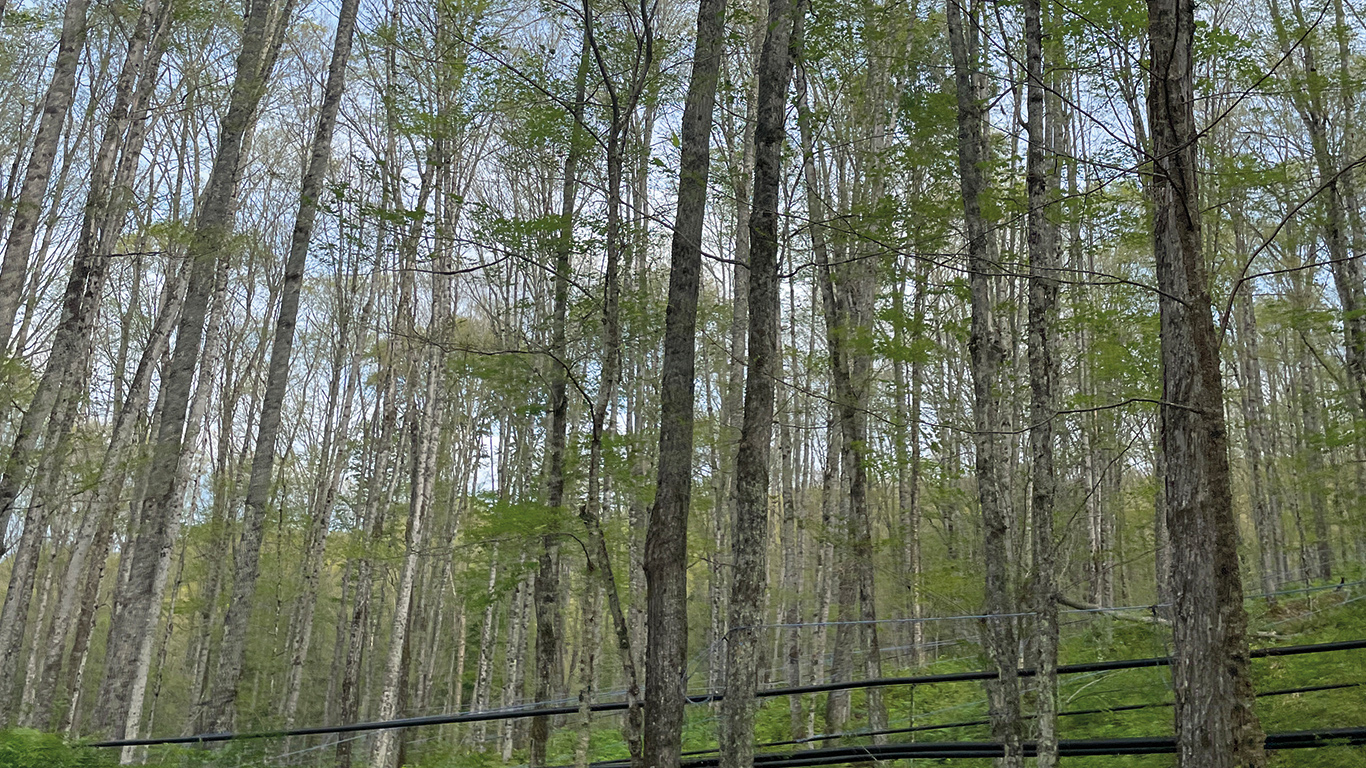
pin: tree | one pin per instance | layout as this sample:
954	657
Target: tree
547	577
233	649
666	536
1215	722
1043	300
750	537
28	206
139	598
987	353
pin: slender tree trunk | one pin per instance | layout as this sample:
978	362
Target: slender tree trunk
1216	726
750	538
424	444
232	652
29	204
1043	299
84	627
666	537
156	527
483	673
985	348
837	702
588	671
1265	510
790	636
513	663
58	392
912	498
380	479
547	577
106	203
330	470
42	626
1315	446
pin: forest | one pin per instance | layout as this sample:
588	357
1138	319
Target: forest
650	384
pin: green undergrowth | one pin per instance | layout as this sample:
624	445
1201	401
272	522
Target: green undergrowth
1136	702
23	748
1112	704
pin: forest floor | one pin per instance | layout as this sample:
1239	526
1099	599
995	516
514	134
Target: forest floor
1106	704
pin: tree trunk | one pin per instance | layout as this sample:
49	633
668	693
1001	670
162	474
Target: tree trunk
842	463
156	528
666	537
790	635
1041	178
985	348
106	203
330	470
232	652
424	445
750	538
1216	726
1310	101
588	671
547	576
1265	509
513	659
483	674
1316	477
379	475
909	469
57	395
28	206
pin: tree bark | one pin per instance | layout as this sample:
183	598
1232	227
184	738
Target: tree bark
232	651
1266	516
750	537
378	471
156	529
547	576
1308	97
330	470
68	363
28	206
1315	445
986	352
666	537
1216	726
1040	173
